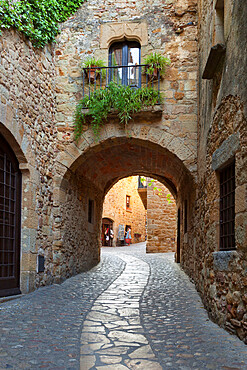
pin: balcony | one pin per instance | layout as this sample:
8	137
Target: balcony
134	76
142	190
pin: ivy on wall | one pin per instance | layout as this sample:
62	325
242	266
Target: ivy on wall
37	19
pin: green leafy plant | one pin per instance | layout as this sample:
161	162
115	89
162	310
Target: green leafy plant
150	183
122	99
93	63
156	62
37	19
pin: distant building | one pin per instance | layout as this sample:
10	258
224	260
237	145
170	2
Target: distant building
147	211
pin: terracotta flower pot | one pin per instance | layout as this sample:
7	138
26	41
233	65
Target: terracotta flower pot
92	73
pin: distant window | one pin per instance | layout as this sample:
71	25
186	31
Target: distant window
127	202
90	210
227	207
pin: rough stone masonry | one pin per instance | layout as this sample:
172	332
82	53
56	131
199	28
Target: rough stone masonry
62	179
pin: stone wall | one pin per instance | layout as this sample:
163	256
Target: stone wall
27	112
83	36
76	238
169	28
115	209
37	109
161	219
221	276
163	144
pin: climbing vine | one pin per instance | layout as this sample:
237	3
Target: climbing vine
37	19
122	99
150	183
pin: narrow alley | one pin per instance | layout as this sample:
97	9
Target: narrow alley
132	311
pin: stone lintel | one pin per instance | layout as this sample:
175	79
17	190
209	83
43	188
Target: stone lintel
222	259
133	31
225	152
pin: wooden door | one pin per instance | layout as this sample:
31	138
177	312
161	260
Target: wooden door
10	221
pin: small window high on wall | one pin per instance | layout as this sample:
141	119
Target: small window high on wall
219	23
126	57
90	210
227	207
127	202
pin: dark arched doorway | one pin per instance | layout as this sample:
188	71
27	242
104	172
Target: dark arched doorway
10	220
107	225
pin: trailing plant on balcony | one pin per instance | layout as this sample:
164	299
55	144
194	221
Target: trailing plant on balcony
94	72
120	98
156	62
37	19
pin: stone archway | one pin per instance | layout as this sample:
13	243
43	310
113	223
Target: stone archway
83	180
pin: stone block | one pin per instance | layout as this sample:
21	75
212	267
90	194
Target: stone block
240	199
2	113
190	85
221	259
178	95
225	152
27	282
29	216
9	114
28	240
65	159
28	262
177	147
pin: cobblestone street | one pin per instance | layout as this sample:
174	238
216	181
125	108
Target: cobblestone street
132	311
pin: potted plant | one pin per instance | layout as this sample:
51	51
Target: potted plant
156	62
93	68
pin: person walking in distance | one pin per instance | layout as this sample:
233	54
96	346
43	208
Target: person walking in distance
111	237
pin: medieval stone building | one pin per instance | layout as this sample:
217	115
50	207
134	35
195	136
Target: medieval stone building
147	208
123	208
194	142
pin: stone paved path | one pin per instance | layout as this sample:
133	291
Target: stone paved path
133	311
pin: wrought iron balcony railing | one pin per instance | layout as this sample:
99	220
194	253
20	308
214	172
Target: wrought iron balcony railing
134	76
142	182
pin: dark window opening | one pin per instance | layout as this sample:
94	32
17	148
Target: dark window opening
227	207
185	216
41	263
90	210
127	201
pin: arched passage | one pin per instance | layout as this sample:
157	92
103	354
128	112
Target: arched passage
84	185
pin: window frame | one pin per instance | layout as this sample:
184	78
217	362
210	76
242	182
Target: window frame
125	45
90	217
128	207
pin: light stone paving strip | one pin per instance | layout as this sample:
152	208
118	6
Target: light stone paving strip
112	335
